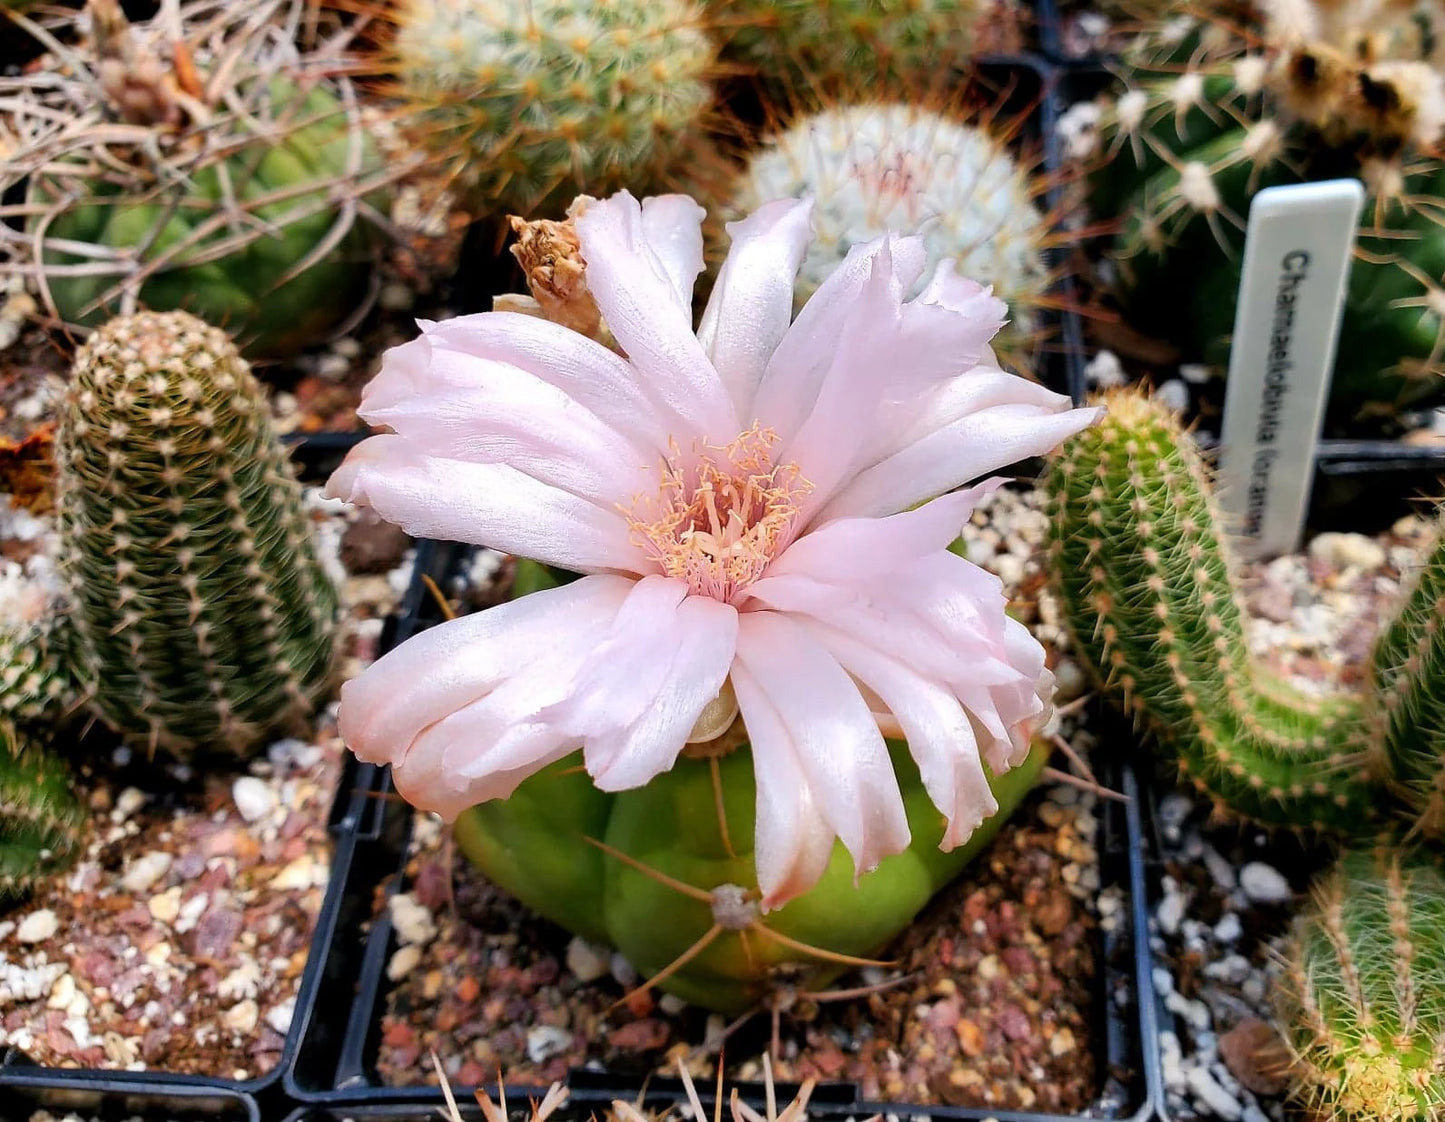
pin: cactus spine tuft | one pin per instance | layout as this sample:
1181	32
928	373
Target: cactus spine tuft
203	617
1145	581
1363	1000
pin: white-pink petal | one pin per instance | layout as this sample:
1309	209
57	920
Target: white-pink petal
639	301
835	739
672	228
751	306
484	504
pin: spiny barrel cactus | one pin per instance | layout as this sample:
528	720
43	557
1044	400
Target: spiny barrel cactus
224	173
1212	111
666	873
532	103
40	818
872	168
1363	997
203	617
802	43
1144	575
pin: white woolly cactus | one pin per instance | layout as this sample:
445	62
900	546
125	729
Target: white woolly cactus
533	102
872	169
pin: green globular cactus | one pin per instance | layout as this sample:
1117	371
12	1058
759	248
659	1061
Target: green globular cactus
1144	576
38	689
665	873
40	818
533	103
854	43
1362	1004
872	169
203	617
1216	107
227	174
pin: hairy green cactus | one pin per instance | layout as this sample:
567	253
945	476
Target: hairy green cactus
802	43
533	103
224	174
203	617
1144	576
1212	111
665	873
872	169
1363	999
40	818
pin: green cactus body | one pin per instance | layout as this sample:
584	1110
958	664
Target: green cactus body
533	103
40	818
804	43
262	290
1363	999
535	845
37	684
1407	667
1205	120
875	169
203	618
1147	593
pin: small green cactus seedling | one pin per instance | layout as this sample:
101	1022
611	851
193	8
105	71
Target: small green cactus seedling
532	103
802	43
1211	111
220	171
1144	576
1363	999
875	168
203	617
40	817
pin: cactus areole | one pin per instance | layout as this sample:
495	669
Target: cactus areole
752	507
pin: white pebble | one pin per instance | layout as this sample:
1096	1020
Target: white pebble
279	1016
1220	869
242	1017
1212	1096
1173	395
406	959
127	803
623	972
671	1004
1104	371
253	797
1264	884
37	927
1228	929
587	961
1170	912
1347	551
546	1041
1195	373
412	921
144	871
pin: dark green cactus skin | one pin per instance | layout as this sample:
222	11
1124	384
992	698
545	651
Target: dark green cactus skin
1145	582
203	618
1363	999
40	818
1407	669
534	846
248	289
1185	145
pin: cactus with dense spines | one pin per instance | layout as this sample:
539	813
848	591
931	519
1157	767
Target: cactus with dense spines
1211	111
875	168
531	104
203	617
40	817
224	172
1145	579
38	689
803	43
1362	1003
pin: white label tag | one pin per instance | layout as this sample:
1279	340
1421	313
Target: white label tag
1286	326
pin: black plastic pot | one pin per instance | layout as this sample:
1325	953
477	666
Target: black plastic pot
130	1101
335	1063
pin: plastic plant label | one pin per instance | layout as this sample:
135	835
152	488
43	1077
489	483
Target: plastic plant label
1286	327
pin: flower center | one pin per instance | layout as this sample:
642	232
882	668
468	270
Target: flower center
717	521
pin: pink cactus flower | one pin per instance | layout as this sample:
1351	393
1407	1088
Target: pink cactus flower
745	501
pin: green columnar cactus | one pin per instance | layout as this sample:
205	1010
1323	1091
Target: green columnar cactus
1363	999
666	874
802	43
1407	669
1211	112
1145	581
40	818
533	103
203	617
225	174
872	169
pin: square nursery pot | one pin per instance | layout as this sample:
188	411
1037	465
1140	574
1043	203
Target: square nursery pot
335	1068
177	1097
